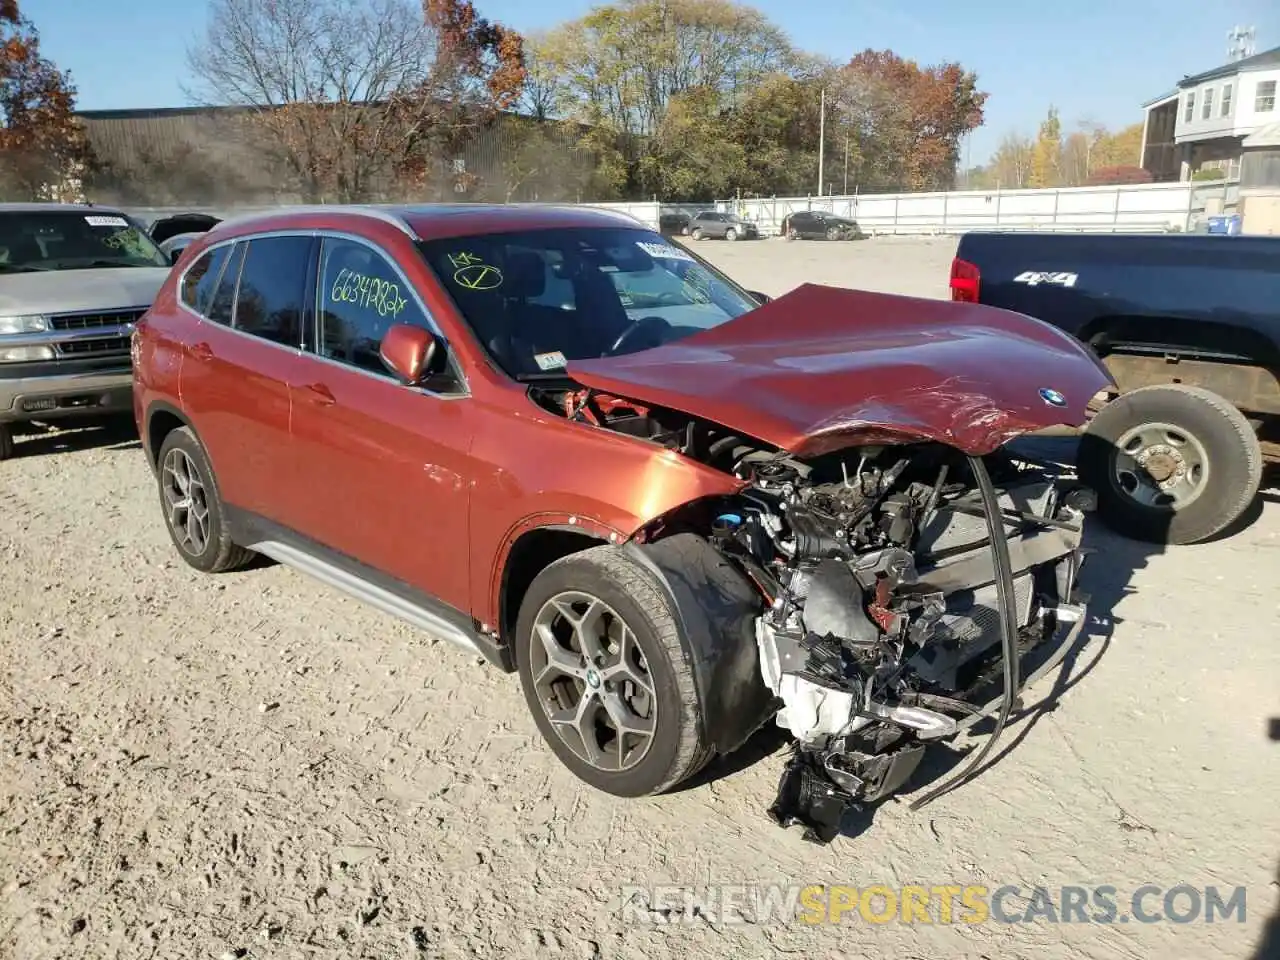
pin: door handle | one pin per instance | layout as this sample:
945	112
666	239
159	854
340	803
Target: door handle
202	351
320	394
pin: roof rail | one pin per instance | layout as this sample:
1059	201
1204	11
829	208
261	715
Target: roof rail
376	212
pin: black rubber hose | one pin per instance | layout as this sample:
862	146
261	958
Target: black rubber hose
1008	627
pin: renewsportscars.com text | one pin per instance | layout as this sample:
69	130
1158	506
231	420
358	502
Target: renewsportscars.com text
941	904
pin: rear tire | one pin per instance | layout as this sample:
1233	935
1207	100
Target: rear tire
662	704
697	233
6	441
1170	464
194	513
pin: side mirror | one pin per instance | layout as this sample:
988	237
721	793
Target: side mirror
760	298
412	353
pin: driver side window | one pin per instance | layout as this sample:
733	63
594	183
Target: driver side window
361	297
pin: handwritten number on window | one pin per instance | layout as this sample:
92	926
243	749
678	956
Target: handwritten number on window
369	293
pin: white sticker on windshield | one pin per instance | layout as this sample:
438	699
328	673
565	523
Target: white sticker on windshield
550	361
665	251
106	221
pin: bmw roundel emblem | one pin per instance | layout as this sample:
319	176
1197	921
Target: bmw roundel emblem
1052	397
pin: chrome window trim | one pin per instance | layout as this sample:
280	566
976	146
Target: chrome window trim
464	385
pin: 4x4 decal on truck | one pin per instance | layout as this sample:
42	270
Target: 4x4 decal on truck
1035	277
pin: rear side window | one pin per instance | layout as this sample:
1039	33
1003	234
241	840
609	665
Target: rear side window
224	296
272	293
199	281
361	297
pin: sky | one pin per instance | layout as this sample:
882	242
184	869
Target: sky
1097	60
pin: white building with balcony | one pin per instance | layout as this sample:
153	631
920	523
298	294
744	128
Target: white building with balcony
1204	122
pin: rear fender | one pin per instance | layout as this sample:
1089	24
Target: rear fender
716	606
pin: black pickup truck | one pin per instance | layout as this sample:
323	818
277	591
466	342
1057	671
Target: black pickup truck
1189	327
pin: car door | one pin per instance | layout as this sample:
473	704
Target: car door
381	469
239	362
801	223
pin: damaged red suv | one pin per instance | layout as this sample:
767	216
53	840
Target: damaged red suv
678	509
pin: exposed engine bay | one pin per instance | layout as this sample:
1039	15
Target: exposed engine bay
891	617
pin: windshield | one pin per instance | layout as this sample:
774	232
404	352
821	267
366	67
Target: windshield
541	298
66	240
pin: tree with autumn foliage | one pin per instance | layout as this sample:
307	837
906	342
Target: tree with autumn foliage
651	81
904	121
360	99
1090	155
1046	154
43	149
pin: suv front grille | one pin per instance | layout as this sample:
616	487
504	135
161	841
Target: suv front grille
88	321
83	348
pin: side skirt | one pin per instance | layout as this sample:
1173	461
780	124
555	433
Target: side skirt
365	584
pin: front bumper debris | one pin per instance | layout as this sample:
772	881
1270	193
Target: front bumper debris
819	796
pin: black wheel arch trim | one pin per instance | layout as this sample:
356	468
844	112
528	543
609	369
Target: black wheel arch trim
160	406
716	606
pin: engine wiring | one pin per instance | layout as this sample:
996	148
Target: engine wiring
1008	637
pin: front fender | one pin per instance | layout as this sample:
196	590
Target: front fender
716	606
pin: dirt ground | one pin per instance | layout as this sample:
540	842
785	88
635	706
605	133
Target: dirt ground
254	766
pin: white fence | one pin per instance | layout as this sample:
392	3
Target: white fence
1144	208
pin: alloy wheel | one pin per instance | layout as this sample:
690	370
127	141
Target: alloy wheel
593	681
186	505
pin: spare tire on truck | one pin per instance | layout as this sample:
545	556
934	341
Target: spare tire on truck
1170	464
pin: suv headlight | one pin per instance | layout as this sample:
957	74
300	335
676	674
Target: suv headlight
32	354
30	323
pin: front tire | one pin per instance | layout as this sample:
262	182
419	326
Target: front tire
194	513
1170	464
603	668
731	234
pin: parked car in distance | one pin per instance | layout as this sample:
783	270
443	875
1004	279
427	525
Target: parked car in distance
73	279
1189	328
563	441
674	223
174	245
819	225
710	224
173	233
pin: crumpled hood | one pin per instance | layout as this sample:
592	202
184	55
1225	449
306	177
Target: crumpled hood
824	368
74	291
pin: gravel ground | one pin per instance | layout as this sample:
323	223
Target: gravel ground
253	766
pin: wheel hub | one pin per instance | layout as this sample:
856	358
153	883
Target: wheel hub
1163	464
1160	465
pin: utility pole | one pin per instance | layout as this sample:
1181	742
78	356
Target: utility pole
846	164
822	136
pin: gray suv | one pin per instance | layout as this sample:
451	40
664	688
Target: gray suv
73	280
724	226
